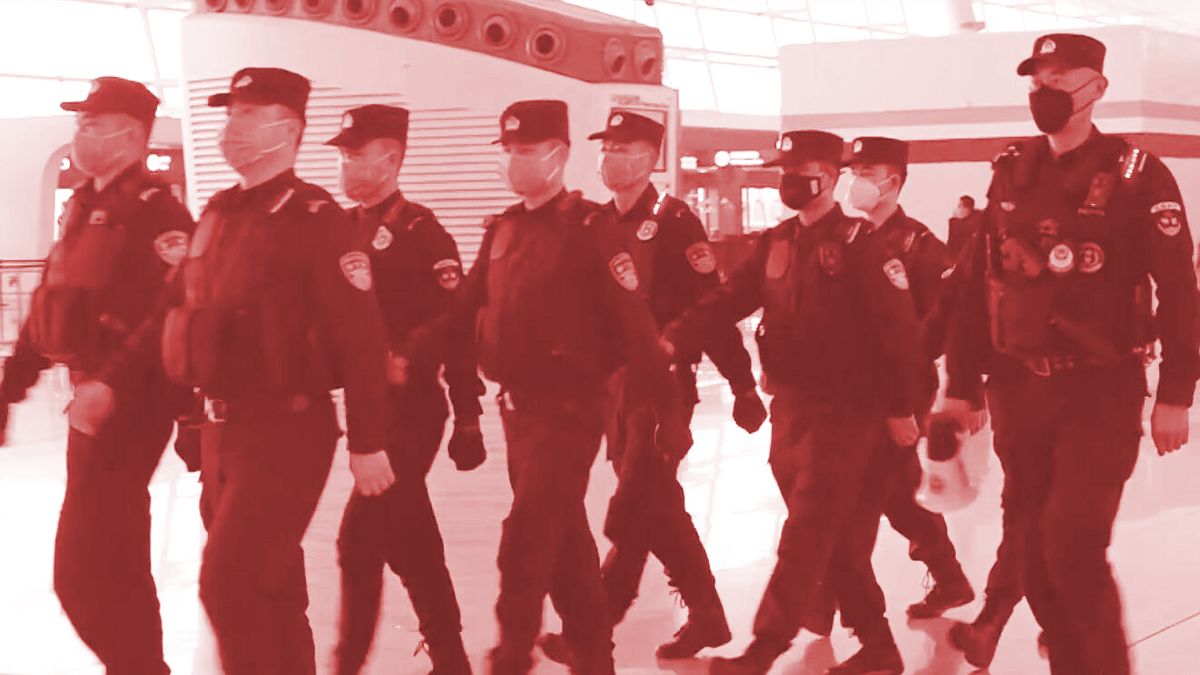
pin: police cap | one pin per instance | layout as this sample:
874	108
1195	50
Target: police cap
879	150
266	86
625	127
806	146
117	95
533	122
369	122
1066	49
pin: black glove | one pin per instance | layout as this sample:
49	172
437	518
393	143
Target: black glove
187	443
945	437
466	446
673	437
748	411
4	423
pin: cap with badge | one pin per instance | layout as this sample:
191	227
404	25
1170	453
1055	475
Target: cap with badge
878	150
266	86
1065	49
806	146
534	121
117	95
625	127
369	122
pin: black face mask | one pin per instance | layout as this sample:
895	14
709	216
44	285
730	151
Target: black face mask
1052	108
797	191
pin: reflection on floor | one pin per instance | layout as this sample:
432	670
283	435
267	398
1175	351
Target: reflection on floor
730	494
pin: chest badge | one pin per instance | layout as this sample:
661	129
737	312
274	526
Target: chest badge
624	271
383	238
829	255
98	217
448	272
894	269
1062	259
172	246
356	267
777	259
700	257
648	230
1091	257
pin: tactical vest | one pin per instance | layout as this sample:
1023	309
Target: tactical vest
807	336
72	319
1067	278
248	324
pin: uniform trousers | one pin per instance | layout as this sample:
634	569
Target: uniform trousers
398	529
546	546
102	547
1071	442
822	457
263	472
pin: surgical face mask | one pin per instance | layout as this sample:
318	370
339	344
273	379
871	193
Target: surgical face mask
97	154
864	194
961	212
362	179
797	191
529	176
244	143
621	171
1053	108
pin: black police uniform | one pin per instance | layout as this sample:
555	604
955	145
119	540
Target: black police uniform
840	352
417	269
553	298
676	267
1056	309
276	310
926	259
103	278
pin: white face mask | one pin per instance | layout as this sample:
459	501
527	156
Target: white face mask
361	179
529	176
620	171
244	144
98	154
863	194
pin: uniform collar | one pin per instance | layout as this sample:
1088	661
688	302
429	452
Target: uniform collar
835	216
541	211
133	172
642	208
390	206
1093	141
897	219
266	191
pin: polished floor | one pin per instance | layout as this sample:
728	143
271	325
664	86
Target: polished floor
731	496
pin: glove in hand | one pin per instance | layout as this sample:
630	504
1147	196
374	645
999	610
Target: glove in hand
466	446
748	411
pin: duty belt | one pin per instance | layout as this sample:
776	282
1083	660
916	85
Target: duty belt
219	410
1045	366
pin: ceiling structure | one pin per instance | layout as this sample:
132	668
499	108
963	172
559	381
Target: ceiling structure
721	54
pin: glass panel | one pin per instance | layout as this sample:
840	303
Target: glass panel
844	12
739	5
692	80
888	11
788	5
747	89
679	26
165	31
761	208
737	33
793	32
827	33
27	97
48	37
1003	18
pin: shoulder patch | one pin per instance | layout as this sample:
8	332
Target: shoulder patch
356	267
948	273
648	230
700	256
894	269
283	200
852	231
624	271
448	272
172	246
1168	217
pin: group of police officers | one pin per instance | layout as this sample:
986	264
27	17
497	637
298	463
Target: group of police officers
592	320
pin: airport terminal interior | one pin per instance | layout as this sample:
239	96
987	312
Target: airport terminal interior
724	78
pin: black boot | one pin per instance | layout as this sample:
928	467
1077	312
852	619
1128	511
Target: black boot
819	617
756	660
702	630
502	662
950	589
555	647
978	640
448	656
878	656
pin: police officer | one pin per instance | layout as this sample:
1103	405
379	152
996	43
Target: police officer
417	268
841	354
879	170
276	310
1057	311
122	235
554	299
675	266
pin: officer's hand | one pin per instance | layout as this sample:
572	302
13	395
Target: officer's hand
673	438
466	445
397	369
187	443
748	411
372	472
4	408
972	420
1169	427
91	407
903	430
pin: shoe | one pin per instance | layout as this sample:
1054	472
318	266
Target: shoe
500	662
449	657
977	641
882	658
756	660
697	634
555	647
944	595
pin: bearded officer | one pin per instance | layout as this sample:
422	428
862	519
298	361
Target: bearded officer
417	269
122	235
1056	309
276	310
839	344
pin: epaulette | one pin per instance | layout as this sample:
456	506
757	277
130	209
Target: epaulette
421	214
282	201
149	193
660	204
849	230
1131	163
